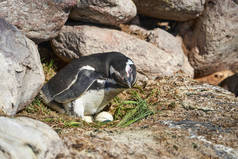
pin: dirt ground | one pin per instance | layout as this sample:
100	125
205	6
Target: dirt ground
190	120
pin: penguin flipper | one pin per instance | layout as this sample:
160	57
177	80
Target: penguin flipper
60	82
84	80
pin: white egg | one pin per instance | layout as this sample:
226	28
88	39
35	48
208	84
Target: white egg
104	116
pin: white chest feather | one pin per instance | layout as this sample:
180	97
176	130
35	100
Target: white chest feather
94	101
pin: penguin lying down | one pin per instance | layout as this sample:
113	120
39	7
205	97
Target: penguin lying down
86	85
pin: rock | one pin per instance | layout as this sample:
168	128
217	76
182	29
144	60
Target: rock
22	73
165	41
29	139
183	10
40	20
111	12
151	61
135	20
171	45
212	39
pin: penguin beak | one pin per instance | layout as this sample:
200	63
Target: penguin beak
126	82
129	83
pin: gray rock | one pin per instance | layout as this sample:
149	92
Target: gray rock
171	45
29	139
182	10
40	20
166	42
151	61
212	40
222	151
21	69
111	12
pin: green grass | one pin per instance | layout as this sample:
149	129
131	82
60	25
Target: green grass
37	106
127	110
48	62
131	111
49	68
72	124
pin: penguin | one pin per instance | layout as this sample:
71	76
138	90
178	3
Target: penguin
230	84
86	85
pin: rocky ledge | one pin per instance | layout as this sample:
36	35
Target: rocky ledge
190	121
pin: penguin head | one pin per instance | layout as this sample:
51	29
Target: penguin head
123	71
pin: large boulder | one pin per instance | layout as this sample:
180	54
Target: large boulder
40	20
182	10
29	139
21	69
166	42
111	12
171	45
212	40
76	41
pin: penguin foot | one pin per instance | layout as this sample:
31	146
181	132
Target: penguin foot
88	119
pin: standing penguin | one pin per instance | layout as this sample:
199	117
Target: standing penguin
86	85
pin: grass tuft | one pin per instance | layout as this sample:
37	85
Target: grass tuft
135	110
49	68
72	124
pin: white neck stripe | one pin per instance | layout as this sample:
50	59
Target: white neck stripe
129	62
87	67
